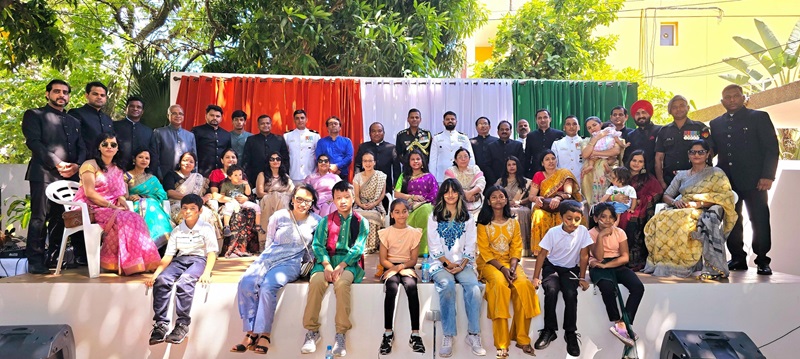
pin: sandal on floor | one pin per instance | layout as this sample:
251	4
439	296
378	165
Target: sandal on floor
502	353
261	349
241	348
527	349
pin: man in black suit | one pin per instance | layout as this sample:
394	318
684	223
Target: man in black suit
540	140
211	140
132	135
259	147
500	150
747	147
93	120
57	150
386	158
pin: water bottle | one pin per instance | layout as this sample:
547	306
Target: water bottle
426	269
329	353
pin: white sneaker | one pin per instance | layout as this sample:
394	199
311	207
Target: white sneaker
310	344
339	349
474	342
446	350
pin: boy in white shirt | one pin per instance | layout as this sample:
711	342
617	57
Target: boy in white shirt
191	252
562	262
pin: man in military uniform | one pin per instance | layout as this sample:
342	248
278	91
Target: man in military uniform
413	138
748	153
540	140
480	144
644	136
302	143
568	148
444	147
675	139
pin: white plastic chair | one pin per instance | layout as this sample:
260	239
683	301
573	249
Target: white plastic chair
63	192
390	197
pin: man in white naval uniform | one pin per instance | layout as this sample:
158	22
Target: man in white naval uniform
568	149
444	146
302	143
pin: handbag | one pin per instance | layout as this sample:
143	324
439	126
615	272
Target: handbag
74	219
308	261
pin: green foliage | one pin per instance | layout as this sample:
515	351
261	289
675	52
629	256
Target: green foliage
657	96
779	61
19	211
150	81
551	39
28	31
345	37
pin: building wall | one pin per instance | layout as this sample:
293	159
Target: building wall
704	37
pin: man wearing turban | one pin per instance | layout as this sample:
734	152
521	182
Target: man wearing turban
644	136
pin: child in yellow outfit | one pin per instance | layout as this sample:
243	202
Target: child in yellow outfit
500	247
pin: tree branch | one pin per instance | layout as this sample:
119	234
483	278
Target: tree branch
158	20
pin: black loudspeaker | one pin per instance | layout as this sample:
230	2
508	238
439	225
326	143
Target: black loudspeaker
37	342
701	344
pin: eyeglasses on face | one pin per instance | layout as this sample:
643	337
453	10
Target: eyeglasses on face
322	160
299	200
274	159
697	152
109	144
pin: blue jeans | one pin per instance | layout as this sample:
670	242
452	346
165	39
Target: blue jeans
258	294
473	299
183	272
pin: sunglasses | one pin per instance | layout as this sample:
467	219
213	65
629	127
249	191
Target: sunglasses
274	159
322	161
109	144
697	152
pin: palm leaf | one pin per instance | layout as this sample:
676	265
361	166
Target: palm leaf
759	53
774	46
150	81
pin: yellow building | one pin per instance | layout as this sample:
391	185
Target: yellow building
678	45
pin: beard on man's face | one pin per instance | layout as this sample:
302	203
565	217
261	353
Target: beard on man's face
449	127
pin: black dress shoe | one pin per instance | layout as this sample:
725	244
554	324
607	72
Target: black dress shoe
81	261
573	347
764	269
735	264
545	337
38	269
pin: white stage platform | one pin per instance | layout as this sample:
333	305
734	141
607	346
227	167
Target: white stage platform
111	316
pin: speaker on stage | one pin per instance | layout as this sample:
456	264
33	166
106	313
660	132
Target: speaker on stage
708	344
37	342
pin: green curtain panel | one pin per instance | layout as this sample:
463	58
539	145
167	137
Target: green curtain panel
579	98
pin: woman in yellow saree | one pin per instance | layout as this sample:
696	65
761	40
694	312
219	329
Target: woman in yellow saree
702	216
548	188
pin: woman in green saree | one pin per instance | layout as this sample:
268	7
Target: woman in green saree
147	195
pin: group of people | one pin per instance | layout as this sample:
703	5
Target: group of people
476	206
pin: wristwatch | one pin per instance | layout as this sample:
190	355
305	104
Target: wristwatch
444	264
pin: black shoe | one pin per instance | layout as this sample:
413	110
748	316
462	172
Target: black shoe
415	342
81	261
38	269
764	269
735	264
386	343
226	231
545	337
178	334
573	347
158	333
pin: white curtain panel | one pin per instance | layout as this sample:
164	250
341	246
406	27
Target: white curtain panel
388	100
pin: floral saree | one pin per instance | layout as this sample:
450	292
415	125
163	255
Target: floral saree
541	220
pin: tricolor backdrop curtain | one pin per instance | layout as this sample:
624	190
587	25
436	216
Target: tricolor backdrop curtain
276	97
579	98
388	100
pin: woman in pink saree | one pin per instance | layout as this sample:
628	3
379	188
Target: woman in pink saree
323	180
127	247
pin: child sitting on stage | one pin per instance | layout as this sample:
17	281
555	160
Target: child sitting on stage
609	256
193	246
562	264
399	250
234	193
